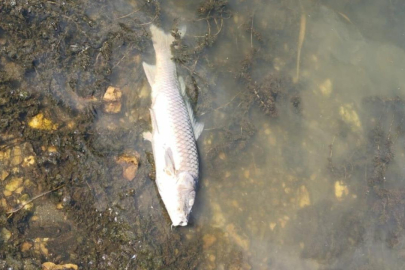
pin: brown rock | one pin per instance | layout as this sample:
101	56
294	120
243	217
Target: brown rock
129	163
208	240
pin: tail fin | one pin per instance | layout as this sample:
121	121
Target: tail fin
161	40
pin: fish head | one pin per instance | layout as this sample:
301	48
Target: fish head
179	198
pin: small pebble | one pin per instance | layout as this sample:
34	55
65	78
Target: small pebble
208	240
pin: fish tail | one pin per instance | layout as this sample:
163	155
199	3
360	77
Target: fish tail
161	40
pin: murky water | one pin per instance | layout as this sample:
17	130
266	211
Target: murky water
300	169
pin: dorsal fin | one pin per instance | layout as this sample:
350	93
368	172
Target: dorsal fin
197	126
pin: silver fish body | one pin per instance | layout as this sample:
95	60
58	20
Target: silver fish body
174	133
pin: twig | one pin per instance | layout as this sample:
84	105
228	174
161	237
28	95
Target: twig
251	32
129	14
301	37
14	210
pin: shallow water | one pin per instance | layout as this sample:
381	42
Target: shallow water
298	172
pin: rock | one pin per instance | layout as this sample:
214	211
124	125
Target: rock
129	165
303	197
326	88
40	246
4	175
28	161
350	116
341	190
208	240
112	99
112	107
112	94
5	234
26	246
40	122
52	266
14	184
17	156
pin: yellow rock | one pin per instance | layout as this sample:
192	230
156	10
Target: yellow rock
59	206
52	149
52	266
25	246
4	175
24	199
304	198
40	245
40	122
112	94
28	161
3	203
349	115
17	156
14	184
19	190
5	234
5	155
326	88
27	183
222	155
341	190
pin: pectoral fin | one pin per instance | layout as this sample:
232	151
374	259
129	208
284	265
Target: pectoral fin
169	162
154	122
182	87
150	71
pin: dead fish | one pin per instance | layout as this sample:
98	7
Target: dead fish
174	132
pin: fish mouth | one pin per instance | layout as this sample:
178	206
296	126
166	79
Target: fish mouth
180	223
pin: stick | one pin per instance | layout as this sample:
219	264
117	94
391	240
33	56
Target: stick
14	210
